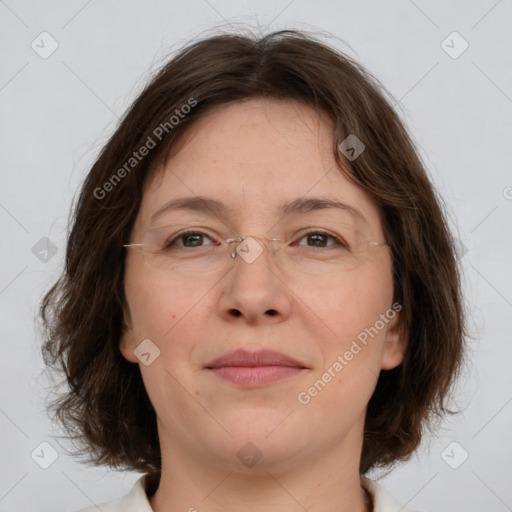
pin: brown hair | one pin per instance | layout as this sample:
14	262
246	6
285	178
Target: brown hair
106	409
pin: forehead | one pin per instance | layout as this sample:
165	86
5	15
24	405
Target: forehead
255	155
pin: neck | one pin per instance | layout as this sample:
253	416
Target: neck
321	485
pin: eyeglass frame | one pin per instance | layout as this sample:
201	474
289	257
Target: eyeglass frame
239	239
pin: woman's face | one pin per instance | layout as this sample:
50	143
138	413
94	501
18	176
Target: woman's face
330	326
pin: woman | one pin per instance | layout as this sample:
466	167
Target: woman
261	300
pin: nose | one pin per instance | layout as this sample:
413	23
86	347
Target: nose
253	289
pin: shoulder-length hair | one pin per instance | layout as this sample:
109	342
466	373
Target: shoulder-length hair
106	409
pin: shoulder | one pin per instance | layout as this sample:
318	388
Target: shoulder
135	501
382	500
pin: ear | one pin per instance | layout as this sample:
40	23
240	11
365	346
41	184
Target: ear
127	340
395	344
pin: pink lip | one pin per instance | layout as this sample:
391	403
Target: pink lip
254	369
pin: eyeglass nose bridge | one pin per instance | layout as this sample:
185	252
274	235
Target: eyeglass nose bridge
234	244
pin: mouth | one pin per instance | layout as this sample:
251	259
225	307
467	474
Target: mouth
254	369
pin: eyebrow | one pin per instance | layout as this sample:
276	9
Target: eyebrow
208	205
303	206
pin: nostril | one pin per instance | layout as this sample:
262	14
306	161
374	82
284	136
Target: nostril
235	312
272	312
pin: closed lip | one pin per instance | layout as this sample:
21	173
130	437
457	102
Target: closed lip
244	358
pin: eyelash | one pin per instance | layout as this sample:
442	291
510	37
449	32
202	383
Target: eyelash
180	236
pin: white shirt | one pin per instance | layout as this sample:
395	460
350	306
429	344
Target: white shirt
137	501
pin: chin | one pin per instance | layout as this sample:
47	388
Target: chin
260	443
259	456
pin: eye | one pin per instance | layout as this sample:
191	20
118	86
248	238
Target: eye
189	239
320	239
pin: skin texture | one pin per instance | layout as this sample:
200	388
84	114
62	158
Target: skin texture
255	155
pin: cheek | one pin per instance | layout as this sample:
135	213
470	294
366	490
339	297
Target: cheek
171	315
350	304
160	305
336	404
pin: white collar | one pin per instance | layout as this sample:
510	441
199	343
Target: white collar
137	501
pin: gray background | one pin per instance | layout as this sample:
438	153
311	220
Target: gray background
58	111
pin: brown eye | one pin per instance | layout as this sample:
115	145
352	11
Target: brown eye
189	239
319	239
192	240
